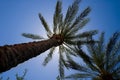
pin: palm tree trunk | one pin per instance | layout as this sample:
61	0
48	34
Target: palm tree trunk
12	55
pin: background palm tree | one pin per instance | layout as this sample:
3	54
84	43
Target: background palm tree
102	62
65	34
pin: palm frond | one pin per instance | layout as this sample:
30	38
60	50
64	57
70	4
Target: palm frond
100	48
63	53
61	64
57	19
114	57
71	12
76	28
32	36
81	42
71	42
84	13
98	60
45	25
69	51
80	75
84	56
110	46
70	47
116	49
88	33
112	42
81	17
74	65
83	35
87	59
70	63
61	69
49	56
114	63
96	49
70	15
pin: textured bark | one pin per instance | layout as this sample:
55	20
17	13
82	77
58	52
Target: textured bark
12	55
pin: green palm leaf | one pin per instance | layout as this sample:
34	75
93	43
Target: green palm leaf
76	28
114	64
114	56
45	24
83	35
116	49
78	19
57	19
71	12
49	56
112	42
32	36
81	17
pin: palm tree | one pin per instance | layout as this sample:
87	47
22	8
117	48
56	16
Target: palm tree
65	34
102	62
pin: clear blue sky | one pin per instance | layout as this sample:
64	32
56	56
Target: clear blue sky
18	16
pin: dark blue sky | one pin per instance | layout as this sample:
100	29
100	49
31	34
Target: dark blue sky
21	16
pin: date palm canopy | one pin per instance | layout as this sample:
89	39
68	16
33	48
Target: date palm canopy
66	30
102	62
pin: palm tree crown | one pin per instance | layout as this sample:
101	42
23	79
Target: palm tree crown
66	30
102	62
